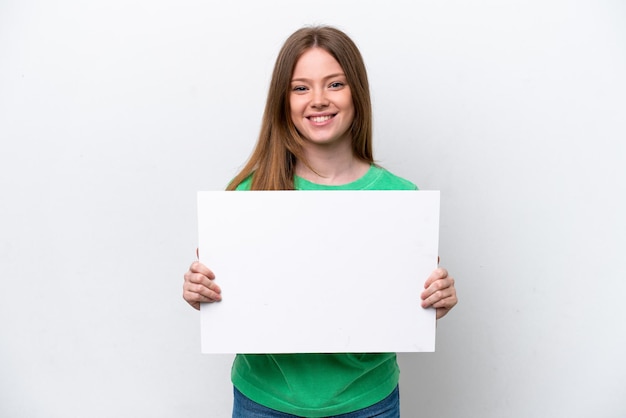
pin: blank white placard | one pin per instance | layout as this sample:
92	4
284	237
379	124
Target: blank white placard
318	271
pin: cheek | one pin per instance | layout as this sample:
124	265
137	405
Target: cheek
295	106
292	105
298	108
293	114
295	118
348	104
350	110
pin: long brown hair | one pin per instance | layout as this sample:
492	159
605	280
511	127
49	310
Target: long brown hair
272	162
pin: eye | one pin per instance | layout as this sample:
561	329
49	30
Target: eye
299	89
336	85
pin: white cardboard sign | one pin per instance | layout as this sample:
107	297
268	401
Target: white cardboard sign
318	271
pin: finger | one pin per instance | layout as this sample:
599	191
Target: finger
198	267
447	302
437	274
445	305
436	298
200	293
197	279
438	285
206	296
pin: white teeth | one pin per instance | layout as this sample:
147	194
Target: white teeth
318	119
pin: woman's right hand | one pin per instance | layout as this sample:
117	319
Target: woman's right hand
199	286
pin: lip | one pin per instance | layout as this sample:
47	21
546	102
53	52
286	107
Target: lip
321	118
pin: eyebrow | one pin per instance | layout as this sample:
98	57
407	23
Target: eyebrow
325	78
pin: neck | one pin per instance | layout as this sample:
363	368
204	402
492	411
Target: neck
331	167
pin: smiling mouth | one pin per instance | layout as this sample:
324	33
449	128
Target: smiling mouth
319	119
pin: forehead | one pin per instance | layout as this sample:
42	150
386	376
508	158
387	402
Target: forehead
316	62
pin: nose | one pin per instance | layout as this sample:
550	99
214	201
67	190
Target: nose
319	99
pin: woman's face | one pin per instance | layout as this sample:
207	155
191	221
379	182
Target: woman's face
320	99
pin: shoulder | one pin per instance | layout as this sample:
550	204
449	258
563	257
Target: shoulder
383	179
246	184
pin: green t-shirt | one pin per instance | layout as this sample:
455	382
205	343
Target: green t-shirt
319	385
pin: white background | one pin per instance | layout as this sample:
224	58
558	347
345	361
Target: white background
113	114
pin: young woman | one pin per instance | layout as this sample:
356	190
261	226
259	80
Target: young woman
317	135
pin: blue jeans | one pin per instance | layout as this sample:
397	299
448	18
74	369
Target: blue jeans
389	407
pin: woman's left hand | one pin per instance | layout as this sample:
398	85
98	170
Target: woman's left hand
439	292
